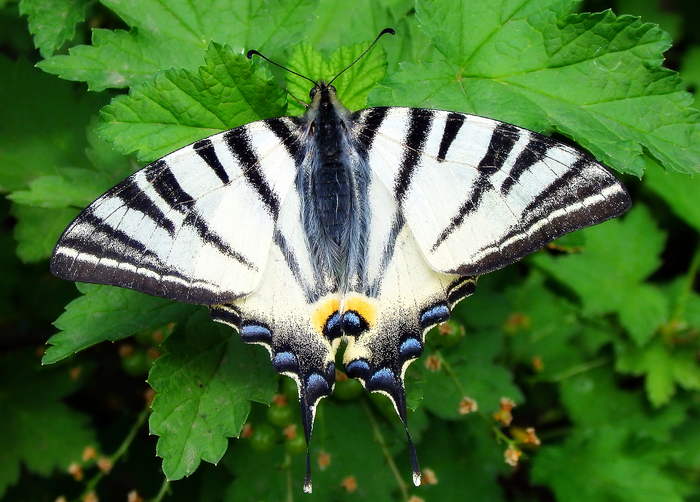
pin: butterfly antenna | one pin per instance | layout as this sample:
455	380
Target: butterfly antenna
253	52
384	32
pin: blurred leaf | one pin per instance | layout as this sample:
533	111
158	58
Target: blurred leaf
52	22
43	124
465	460
690	67
680	192
623	252
654	11
38	230
664	368
594	400
341	431
38	429
469	370
598	464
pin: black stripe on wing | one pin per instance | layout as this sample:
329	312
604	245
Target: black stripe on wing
240	147
453	123
133	196
312	294
205	149
373	289
368	123
568	204
287	131
419	124
503	140
534	152
166	186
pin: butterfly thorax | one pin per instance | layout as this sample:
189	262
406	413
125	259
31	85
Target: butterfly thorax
332	183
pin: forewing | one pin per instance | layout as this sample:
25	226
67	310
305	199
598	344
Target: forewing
194	226
479	194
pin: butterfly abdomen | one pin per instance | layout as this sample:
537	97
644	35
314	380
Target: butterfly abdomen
333	186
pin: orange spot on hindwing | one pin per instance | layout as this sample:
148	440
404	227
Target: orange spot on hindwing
323	311
364	307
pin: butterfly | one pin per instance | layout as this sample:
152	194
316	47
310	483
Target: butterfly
365	227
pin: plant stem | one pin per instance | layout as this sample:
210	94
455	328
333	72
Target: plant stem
385	450
123	448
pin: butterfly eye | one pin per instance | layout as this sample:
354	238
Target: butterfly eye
313	92
332	89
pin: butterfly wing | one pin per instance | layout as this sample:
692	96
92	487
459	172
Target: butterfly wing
194	226
402	299
453	196
287	315
479	194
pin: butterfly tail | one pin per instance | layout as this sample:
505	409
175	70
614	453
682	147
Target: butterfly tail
389	383
313	388
398	398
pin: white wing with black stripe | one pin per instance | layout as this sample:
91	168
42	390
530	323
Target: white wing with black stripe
174	229
479	194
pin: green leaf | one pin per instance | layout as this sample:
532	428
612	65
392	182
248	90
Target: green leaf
598	464
595	78
205	383
169	33
38	430
663	366
594	400
38	229
109	313
52	22
623	252
180	107
678	191
353	85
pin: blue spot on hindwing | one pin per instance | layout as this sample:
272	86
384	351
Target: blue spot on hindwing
353	323
383	379
410	349
333	328
434	315
358	369
254	333
316	387
285	362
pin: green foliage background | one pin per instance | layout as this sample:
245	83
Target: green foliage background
595	339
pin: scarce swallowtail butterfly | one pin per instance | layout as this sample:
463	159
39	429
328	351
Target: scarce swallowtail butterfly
367	227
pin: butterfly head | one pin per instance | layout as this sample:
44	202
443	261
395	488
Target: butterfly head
325	109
